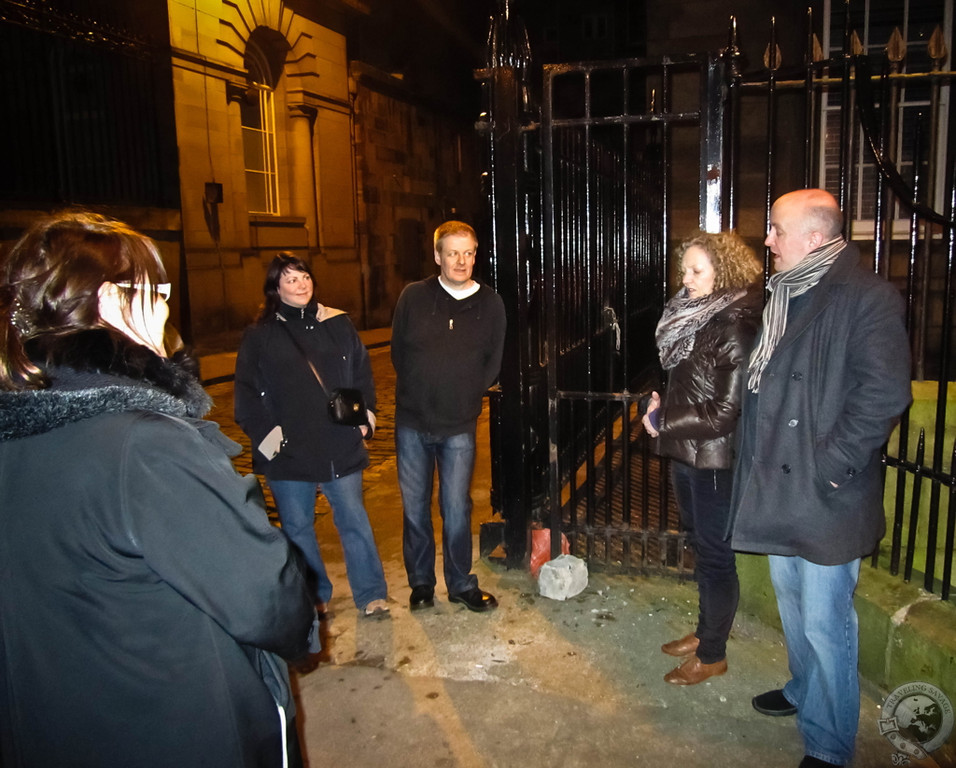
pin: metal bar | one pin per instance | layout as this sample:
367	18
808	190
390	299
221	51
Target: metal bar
810	120
899	506
882	221
911	302
847	143
942	388
914	508
712	148
731	121
665	180
769	193
821	83
552	303
950	533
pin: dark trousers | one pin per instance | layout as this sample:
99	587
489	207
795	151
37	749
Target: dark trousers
703	496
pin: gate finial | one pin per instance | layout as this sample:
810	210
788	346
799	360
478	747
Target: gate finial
731	54
508	44
856	45
814	49
896	47
937	48
772	56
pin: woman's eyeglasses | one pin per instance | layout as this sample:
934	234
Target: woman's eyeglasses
159	289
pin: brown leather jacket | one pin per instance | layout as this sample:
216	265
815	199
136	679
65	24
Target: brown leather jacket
701	404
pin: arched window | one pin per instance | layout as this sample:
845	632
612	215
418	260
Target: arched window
259	132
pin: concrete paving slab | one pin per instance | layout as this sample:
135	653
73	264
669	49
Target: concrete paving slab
546	683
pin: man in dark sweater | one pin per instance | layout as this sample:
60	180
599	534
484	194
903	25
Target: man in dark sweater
447	338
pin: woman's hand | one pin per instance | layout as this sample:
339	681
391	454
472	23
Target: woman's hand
653	404
368	430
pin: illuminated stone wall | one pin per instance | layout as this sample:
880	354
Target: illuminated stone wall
226	247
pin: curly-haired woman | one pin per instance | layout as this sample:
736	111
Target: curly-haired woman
704	338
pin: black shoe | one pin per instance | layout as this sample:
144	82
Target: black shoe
304	664
816	762
422	597
474	600
774	703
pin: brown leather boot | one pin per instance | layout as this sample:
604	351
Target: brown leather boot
694	671
683	647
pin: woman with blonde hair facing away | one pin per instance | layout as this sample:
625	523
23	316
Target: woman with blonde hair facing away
145	593
704	339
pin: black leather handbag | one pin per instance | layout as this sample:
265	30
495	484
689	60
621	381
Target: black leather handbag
346	406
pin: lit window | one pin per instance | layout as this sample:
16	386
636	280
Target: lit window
259	149
874	22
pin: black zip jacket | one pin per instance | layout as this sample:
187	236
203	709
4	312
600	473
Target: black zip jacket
275	386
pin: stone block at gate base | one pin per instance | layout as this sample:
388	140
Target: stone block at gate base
563	577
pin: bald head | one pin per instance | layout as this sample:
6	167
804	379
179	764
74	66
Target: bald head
818	209
800	222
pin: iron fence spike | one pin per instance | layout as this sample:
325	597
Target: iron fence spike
896	47
937	48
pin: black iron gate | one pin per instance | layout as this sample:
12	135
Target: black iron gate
612	134
580	191
587	191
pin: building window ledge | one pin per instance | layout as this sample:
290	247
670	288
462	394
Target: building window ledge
257	220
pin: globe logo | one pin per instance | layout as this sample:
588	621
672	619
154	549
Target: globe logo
917	719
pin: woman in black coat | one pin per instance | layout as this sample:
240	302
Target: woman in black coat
283	407
704	338
145	593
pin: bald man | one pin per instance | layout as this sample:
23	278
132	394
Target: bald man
828	378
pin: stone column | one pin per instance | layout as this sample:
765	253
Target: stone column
302	170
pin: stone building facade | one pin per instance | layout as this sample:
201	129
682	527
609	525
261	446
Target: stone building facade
266	132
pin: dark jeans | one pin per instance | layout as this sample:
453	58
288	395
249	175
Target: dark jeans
703	496
418	455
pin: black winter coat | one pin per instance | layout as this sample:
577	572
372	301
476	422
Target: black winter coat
829	397
701	403
140	578
275	386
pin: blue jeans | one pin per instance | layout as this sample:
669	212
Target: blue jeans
820	626
703	497
295	502
418	454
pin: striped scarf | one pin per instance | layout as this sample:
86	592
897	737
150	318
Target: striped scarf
683	317
784	286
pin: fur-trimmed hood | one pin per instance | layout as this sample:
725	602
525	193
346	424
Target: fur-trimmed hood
98	372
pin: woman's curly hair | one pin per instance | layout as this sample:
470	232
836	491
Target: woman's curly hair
735	264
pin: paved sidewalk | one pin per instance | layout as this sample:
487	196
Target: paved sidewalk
537	683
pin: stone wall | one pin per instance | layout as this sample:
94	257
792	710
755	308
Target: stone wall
226	247
416	168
